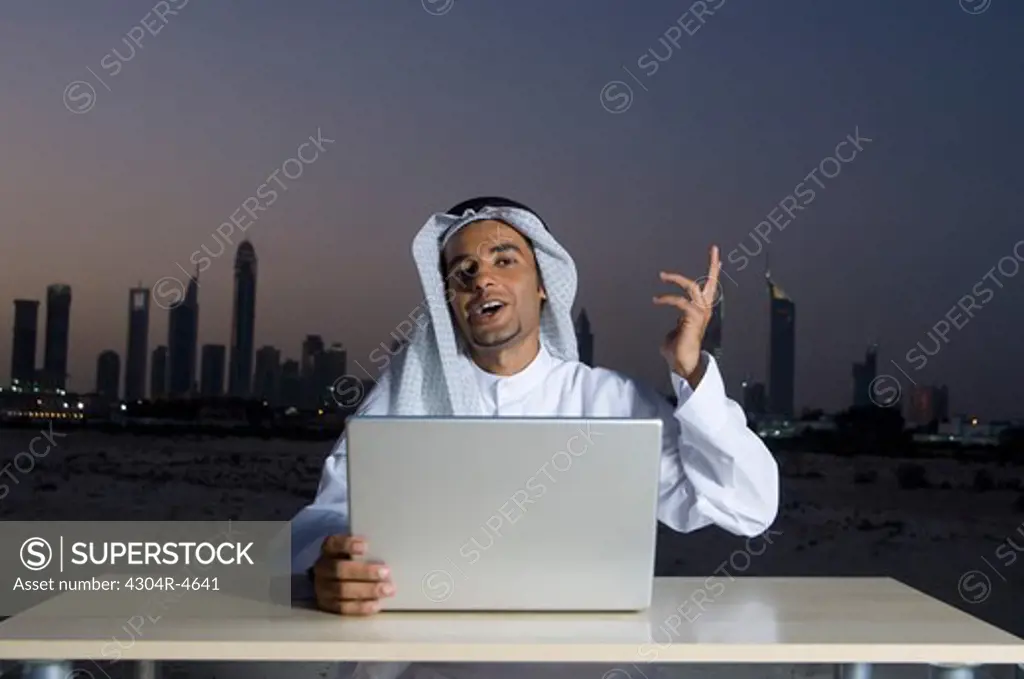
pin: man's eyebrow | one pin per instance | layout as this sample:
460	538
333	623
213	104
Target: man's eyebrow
495	249
505	247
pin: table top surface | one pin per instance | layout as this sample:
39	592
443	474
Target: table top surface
756	620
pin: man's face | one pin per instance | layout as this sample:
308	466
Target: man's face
491	274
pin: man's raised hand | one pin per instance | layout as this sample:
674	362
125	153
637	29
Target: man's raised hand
682	345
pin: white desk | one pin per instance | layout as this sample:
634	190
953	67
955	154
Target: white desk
852	622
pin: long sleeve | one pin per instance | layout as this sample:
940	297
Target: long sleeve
328	513
715	470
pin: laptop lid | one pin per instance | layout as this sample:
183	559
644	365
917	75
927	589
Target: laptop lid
508	513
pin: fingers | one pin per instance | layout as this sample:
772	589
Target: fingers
697	295
687	284
353	590
346	586
715	268
686	306
331	568
343	545
711	286
359	591
346	596
702	295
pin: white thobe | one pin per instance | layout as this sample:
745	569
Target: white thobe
714	469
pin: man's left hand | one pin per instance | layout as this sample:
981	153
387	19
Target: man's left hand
682	345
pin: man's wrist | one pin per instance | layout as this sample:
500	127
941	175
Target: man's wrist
694	375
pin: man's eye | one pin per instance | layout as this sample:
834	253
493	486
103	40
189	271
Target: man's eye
465	273
503	261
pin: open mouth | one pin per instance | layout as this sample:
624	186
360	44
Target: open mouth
485	310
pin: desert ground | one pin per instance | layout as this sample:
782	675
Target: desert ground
839	517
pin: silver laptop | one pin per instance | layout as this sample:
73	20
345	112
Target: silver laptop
532	514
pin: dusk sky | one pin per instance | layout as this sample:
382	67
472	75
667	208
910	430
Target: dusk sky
432	102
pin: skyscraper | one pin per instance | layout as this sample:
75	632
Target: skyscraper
753	398
138	345
267	375
23	350
291	384
182	338
243	321
158	373
212	370
863	375
781	351
58	327
108	374
585	338
927	405
312	348
330	366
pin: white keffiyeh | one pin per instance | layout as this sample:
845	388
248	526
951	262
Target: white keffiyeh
432	375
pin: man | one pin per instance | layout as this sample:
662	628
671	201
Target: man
499	341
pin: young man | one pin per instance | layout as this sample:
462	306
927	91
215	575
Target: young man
499	341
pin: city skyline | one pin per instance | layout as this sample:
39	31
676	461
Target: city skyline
322	366
211	374
874	155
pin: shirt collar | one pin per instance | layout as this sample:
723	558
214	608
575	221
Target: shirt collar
513	386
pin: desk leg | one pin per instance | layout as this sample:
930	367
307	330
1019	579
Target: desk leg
951	671
146	669
853	671
46	669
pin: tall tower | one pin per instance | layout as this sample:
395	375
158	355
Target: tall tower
182	338
782	350
267	375
585	339
330	365
312	349
863	375
23	350
158	374
291	390
243	321
138	344
212	370
58	327
108	374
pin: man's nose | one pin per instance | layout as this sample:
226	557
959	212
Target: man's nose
484	278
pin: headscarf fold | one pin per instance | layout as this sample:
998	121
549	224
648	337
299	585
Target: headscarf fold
433	374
